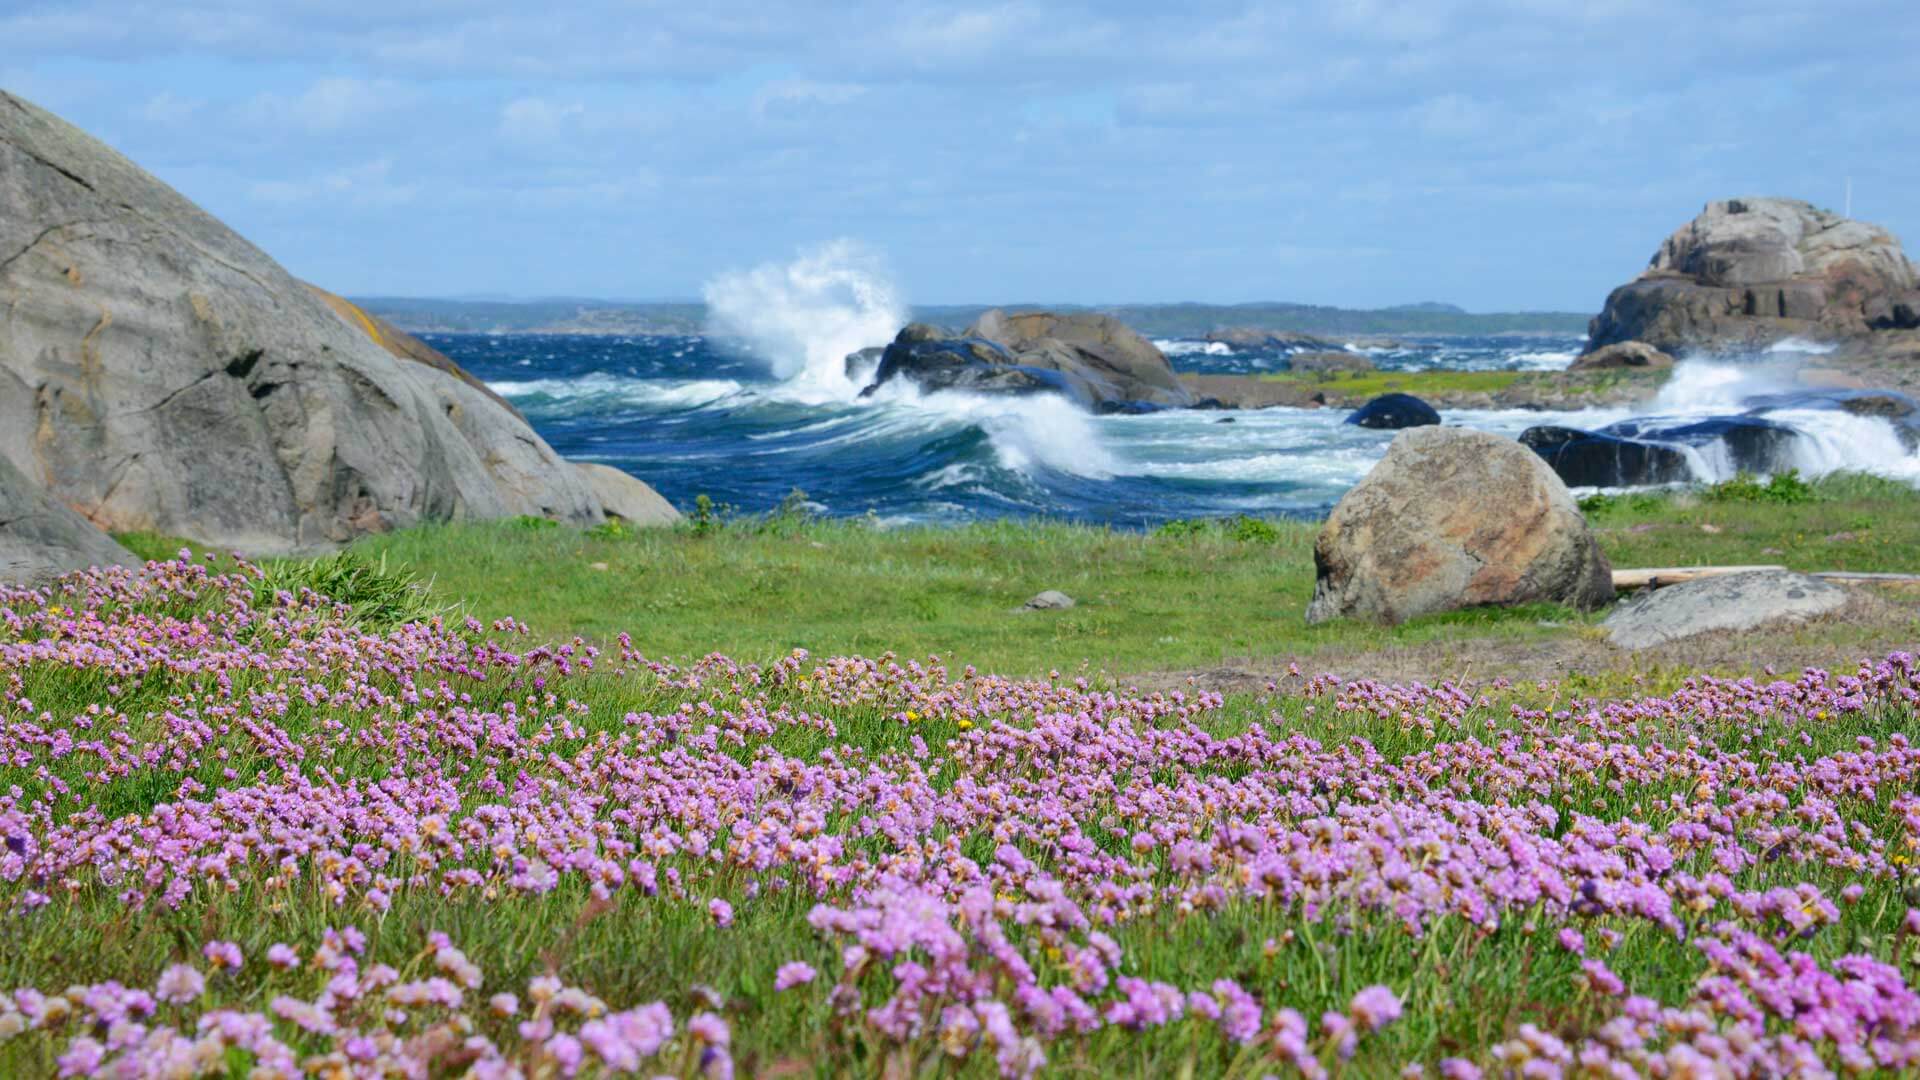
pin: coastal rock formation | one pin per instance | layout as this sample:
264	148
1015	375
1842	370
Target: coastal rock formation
1594	459
1328	363
40	539
1450	519
1623	354
1721	604
1394	411
159	372
1094	360
624	497
1750	272
1639	453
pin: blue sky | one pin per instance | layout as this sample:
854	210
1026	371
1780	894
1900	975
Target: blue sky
1528	154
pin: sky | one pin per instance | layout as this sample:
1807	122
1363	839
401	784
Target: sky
1502	156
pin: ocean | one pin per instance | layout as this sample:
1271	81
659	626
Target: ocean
726	417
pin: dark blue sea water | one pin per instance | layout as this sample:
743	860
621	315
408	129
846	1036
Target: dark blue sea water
748	419
693	417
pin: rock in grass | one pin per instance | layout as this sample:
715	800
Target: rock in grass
40	539
157	371
1450	519
1394	411
625	497
1051	600
1727	602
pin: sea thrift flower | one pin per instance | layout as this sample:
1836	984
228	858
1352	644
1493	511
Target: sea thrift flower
222	955
721	912
793	974
179	985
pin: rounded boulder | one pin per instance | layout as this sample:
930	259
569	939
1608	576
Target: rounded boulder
1452	519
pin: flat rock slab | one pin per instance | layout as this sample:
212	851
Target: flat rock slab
1725	602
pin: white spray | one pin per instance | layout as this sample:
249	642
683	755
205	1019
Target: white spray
805	316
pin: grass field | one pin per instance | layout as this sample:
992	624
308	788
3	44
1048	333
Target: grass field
1184	597
252	830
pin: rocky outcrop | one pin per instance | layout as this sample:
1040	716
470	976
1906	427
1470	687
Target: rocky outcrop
625	497
1450	519
40	539
1750	272
159	372
1721	604
1329	363
1624	354
1094	360
403	345
1654	450
1595	459
1394	411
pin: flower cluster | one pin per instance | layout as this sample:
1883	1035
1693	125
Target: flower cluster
982	862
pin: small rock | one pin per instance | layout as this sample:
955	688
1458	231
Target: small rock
1771	551
598	566
1643	527
1050	600
1842	537
1710	528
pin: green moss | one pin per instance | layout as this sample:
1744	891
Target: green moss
1417	383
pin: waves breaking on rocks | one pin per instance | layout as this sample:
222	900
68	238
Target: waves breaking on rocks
763	403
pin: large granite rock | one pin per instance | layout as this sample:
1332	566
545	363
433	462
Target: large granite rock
1094	360
1654	450
625	497
1453	518
1596	459
1329	363
159	372
1721	604
1622	354
1749	272
40	539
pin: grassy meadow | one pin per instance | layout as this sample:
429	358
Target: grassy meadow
316	817
1186	596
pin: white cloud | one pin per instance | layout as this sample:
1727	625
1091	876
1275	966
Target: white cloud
787	95
368	185
329	105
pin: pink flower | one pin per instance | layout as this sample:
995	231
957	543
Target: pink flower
721	912
1374	1008
283	957
222	954
180	984
792	975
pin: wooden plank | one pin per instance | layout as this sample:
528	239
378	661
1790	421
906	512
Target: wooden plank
1674	575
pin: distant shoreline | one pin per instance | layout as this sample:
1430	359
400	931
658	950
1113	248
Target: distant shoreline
1164	321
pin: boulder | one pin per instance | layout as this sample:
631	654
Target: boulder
41	540
1450	519
159	372
1050	600
1749	272
1650	451
1394	411
1594	459
625	497
1721	604
1250	337
1747	443
1623	354
1093	360
1327	363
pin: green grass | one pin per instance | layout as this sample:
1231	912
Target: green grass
1417	383
1186	596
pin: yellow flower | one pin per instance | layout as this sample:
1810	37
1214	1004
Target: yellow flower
965	724
912	716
